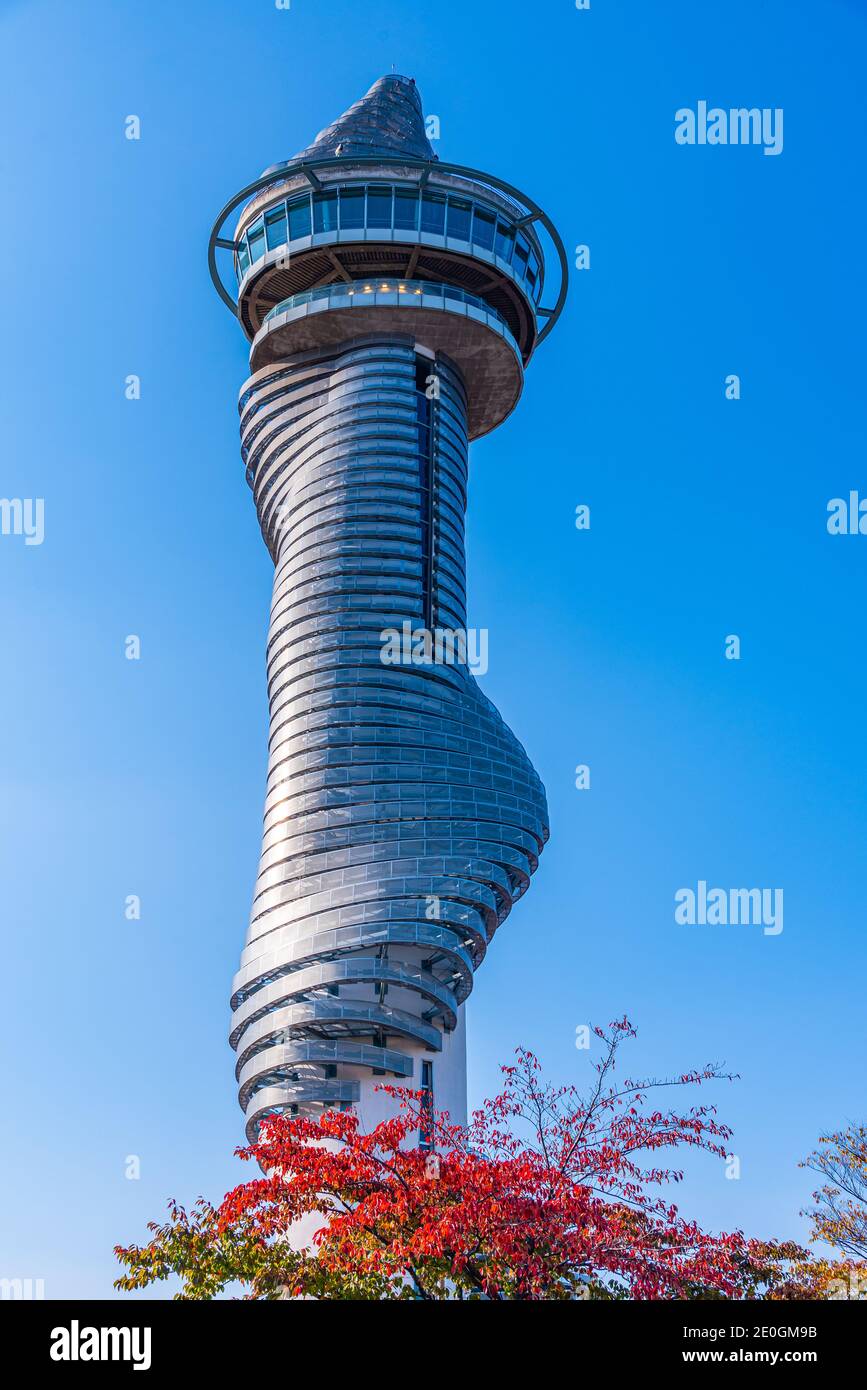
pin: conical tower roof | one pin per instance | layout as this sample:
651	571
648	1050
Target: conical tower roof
387	121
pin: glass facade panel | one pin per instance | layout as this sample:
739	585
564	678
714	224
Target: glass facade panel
351	207
505	241
299	217
243	260
405	210
325	212
522	251
433	213
425	1134
379	206
256	239
275	227
483	229
459	218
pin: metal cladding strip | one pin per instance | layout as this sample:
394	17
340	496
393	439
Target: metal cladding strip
325	915
402	817
452	943
520	850
301	1060
278	874
274	1100
304	984
279	1027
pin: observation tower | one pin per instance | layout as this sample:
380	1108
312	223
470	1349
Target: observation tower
392	303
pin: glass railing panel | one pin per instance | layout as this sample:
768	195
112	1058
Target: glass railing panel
394	289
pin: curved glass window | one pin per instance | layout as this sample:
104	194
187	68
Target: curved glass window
275	227
405	210
381	207
351	208
433	213
256	240
299	217
458	223
483	228
325	212
505	240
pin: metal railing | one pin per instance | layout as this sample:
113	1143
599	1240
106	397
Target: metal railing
375	289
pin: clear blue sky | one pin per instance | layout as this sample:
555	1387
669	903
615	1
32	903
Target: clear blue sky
606	648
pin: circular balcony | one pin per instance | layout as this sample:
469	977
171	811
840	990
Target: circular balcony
463	326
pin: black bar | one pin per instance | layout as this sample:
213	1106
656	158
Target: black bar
229	1337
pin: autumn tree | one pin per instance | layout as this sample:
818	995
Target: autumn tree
546	1194
839	1214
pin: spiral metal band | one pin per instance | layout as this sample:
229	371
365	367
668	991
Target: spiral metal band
402	817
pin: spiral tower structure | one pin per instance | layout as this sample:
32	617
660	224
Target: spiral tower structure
392	303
